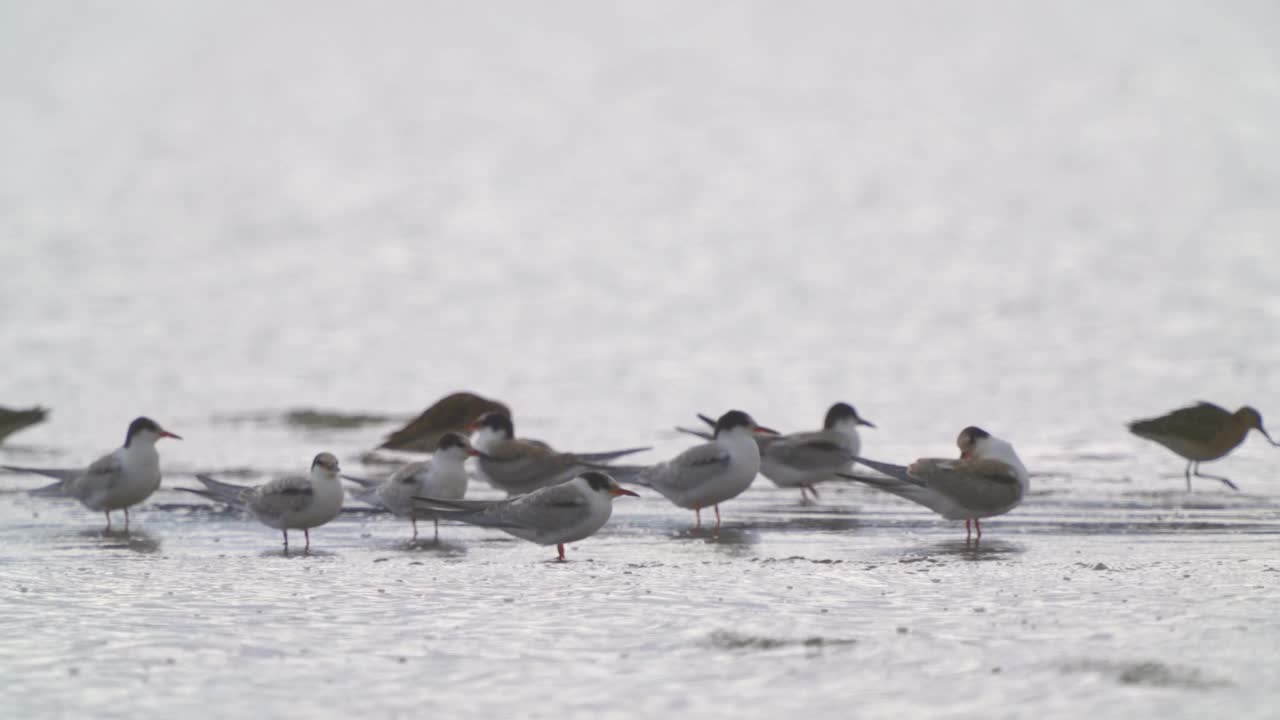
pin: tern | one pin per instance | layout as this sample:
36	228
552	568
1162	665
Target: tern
556	515
286	503
518	466
444	476
708	474
114	481
988	479
804	459
1201	433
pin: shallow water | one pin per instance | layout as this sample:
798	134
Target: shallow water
1040	221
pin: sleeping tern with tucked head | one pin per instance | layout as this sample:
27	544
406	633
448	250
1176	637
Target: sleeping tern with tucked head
988	479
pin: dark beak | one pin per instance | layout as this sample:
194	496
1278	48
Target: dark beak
1266	435
868	423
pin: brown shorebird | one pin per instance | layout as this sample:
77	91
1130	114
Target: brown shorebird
451	413
1201	433
11	421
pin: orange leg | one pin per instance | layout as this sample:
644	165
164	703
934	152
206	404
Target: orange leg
560	548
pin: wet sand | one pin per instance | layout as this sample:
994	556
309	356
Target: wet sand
1148	603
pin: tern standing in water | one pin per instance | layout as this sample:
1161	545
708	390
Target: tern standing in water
444	476
708	474
114	481
286	503
804	459
556	515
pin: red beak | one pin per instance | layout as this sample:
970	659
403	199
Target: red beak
765	431
166	433
621	491
472	452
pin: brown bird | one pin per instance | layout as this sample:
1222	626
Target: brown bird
451	413
1201	433
11	421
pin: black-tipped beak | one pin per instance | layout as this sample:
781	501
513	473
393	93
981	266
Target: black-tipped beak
616	491
167	434
762	430
868	423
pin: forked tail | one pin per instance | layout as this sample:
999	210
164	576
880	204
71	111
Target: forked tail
219	491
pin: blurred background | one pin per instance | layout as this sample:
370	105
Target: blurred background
1029	216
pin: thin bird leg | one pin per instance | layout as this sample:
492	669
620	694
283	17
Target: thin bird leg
414	520
126	519
1187	472
436	520
804	497
1199	474
717	507
108	514
697	513
560	548
306	534
977	523
966	531
286	541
